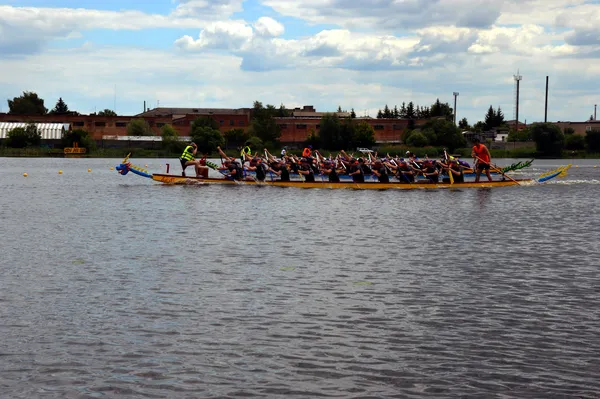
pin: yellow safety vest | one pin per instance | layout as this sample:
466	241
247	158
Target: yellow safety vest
187	154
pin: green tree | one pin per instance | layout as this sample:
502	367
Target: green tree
107	112
170	139
364	135
24	137
330	132
592	139
79	136
575	142
549	139
235	137
464	124
207	139
205	121
490	119
410	111
168	131
27	104
403	111
352	113
60	108
499	119
139	127
443	133
313	138
479	127
263	123
441	109
347	133
283	112
416	139
520	135
255	144
387	113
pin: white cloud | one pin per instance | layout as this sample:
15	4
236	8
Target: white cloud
391	15
217	9
268	27
28	29
228	35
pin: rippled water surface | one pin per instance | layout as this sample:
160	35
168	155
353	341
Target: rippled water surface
116	286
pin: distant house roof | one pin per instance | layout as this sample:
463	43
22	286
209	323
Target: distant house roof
199	111
311	114
49	131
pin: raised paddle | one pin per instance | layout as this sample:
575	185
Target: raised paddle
450	174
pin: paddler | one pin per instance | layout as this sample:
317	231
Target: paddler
483	159
187	159
329	170
306	170
430	171
380	171
354	170
256	165
280	169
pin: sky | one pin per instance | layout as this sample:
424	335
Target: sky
361	55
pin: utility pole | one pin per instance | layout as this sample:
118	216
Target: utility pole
595	112
517	80
455	95
546	108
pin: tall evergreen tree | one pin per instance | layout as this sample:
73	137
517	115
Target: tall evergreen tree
490	119
499	119
352	114
396	112
403	110
379	114
386	112
60	108
410	111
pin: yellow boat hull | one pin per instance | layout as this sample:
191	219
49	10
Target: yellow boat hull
173	179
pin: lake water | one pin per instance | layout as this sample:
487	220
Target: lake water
117	286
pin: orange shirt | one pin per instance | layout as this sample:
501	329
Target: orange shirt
480	152
306	152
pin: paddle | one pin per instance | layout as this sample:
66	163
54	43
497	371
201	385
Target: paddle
495	168
450	174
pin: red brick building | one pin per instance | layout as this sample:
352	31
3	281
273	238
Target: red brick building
294	129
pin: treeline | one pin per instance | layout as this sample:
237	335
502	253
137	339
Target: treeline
29	103
410	111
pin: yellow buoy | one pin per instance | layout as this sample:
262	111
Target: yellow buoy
111	168
25	174
146	165
89	170
60	172
576	166
595	166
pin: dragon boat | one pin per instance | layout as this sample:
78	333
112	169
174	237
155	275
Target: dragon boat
125	167
468	172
